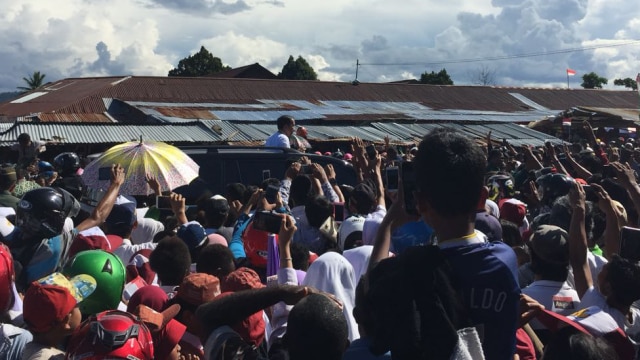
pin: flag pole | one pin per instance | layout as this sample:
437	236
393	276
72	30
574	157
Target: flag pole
567	79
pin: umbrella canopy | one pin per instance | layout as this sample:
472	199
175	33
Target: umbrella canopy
168	164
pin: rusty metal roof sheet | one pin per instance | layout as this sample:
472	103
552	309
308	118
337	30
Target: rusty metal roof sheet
85	95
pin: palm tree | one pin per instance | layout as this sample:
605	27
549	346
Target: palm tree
34	81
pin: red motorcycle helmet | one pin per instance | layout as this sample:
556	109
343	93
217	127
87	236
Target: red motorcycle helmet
111	334
6	279
256	245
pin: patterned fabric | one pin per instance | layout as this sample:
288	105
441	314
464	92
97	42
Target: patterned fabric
23	186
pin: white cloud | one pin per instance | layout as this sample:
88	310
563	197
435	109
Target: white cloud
149	37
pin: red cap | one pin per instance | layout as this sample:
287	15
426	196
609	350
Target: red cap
252	328
242	279
90	242
46	305
198	288
512	210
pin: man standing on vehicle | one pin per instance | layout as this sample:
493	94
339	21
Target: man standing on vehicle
286	126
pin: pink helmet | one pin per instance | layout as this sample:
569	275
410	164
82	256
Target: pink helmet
348	156
111	334
6	279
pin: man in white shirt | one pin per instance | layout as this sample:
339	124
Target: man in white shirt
550	265
286	126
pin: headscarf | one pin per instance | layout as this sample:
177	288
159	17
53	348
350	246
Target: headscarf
359	258
145	230
332	273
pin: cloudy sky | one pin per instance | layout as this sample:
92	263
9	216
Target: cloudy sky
394	40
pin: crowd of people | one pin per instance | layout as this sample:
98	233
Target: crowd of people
454	250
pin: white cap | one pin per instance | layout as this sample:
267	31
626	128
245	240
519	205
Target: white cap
349	226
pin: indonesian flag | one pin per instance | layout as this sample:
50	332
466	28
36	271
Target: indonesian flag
571	72
566	121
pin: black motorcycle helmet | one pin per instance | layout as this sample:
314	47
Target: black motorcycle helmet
41	212
552	186
67	163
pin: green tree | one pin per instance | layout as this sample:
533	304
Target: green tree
34	81
629	83
297	70
439	78
593	81
199	64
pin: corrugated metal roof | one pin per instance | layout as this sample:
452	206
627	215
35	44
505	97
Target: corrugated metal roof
85	95
74	118
116	133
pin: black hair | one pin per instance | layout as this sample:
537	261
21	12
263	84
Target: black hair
317	210
299	256
163	234
122	230
547	270
624	278
570	343
510	233
300	191
216	260
248	191
234	191
316	330
450	172
561	211
212	216
24	137
270	181
284	120
170	260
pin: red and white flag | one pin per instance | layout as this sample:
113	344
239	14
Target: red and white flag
571	72
566	121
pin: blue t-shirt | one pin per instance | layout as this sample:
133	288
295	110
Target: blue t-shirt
487	273
410	234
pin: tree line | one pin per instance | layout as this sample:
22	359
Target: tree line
203	63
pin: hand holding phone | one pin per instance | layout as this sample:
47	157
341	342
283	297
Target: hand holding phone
392	174
371	151
271	194
409	187
163	202
267	221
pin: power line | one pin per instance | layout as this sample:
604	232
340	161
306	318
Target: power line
507	57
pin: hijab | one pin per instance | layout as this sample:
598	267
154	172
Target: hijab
332	273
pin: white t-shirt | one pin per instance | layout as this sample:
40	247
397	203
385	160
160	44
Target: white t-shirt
278	139
593	297
556	296
126	250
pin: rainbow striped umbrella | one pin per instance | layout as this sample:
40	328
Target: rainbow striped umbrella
170	166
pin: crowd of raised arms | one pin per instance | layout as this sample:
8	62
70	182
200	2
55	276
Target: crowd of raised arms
450	249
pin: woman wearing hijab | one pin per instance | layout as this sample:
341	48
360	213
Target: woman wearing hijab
333	274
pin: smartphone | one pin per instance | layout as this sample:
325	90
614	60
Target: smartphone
371	151
590	193
266	174
104	173
409	187
163	202
391	174
630	243
271	194
338	211
608	172
306	169
267	221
